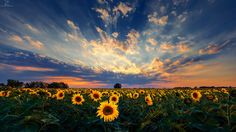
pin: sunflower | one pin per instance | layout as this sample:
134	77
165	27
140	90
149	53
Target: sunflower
141	91
108	111
116	93
148	100
48	93
3	93
150	103
196	95
60	95
114	99
135	95
77	99
96	95
224	91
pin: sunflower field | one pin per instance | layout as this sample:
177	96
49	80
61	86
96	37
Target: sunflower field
117	110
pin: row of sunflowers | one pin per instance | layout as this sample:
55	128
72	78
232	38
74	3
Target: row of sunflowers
118	109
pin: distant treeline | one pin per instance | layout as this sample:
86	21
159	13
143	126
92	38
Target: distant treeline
36	84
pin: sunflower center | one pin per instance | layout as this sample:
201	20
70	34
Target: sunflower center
95	96
113	99
78	99
60	94
108	110
195	95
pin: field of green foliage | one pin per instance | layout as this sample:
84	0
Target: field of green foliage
117	110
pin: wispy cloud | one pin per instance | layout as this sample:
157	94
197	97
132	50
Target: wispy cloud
26	68
31	28
104	15
71	24
35	43
17	39
213	48
162	21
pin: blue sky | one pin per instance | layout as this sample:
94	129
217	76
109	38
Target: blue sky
139	43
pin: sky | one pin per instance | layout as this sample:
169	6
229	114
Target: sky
138	43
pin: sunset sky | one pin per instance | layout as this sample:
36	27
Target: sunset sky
138	43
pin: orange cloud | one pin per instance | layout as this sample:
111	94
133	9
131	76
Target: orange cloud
75	82
25	68
167	46
213	48
29	68
17	39
35	43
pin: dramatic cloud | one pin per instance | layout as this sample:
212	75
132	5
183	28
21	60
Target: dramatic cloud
136	43
105	50
154	68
